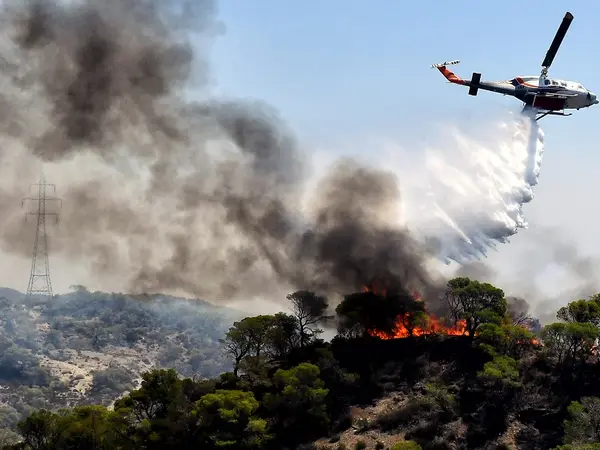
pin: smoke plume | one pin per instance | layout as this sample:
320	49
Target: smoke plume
551	271
164	194
547	270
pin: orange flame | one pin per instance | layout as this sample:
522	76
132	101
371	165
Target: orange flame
431	325
403	328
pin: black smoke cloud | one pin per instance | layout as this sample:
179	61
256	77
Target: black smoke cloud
167	194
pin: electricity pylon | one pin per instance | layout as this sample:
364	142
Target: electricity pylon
39	278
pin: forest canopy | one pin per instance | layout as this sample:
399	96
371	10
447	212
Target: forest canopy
396	376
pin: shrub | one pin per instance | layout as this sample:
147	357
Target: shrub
406	445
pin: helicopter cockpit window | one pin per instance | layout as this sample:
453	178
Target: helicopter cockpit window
547	82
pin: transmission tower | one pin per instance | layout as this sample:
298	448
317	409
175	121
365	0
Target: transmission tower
39	278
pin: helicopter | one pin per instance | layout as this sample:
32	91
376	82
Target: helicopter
541	94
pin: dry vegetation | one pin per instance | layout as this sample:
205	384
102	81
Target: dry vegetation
93	347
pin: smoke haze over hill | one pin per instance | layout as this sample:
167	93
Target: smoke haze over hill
215	186
208	198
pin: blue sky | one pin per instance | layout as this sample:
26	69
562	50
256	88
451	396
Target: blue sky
342	71
333	66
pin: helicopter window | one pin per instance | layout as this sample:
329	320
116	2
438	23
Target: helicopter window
547	82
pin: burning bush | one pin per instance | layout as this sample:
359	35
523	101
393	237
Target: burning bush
391	315
378	312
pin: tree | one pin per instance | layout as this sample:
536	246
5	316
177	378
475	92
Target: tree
82	427
406	445
284	335
363	312
310	310
595	446
581	311
583	423
41	430
475	303
413	314
508	340
299	401
227	419
113	379
501	371
153	400
570	341
248	337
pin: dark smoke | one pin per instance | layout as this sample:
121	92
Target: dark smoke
167	194
353	240
103	71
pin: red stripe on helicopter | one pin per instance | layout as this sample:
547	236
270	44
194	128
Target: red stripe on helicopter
450	76
520	81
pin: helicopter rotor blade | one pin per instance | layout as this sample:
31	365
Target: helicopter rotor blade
558	38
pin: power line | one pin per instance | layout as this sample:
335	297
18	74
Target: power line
39	278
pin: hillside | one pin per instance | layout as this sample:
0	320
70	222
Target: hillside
394	377
87	347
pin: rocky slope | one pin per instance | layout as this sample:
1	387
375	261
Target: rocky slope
87	347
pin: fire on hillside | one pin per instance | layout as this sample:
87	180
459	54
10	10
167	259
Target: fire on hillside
407	325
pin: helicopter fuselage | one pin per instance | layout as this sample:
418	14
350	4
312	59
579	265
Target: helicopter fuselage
551	94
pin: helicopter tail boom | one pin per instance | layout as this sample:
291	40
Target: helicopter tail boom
448	74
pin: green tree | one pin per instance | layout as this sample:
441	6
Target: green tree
227	419
475	303
41	430
595	446
159	393
81	428
508	340
406	445
581	311
284	335
501	371
583	423
247	338
572	341
299	401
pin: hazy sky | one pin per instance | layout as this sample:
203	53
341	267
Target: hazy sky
343	73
